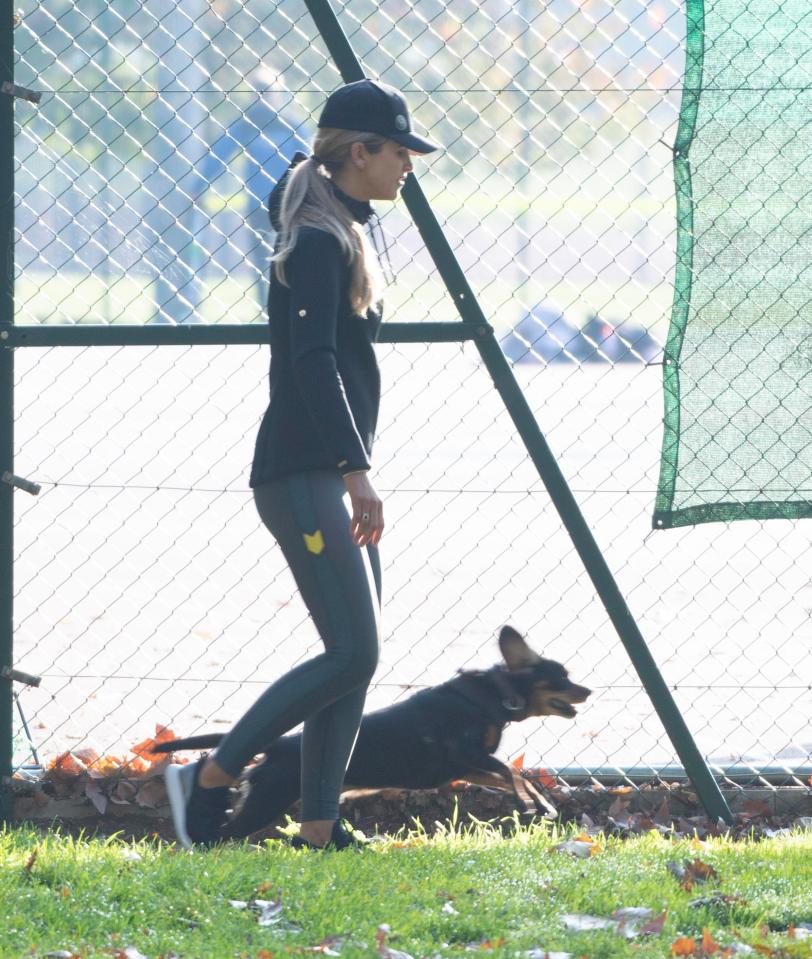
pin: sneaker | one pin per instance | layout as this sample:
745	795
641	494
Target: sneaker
343	836
198	814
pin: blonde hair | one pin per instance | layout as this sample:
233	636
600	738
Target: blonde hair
309	200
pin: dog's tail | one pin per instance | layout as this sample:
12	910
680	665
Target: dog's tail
193	742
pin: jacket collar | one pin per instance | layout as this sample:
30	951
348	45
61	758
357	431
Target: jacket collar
361	210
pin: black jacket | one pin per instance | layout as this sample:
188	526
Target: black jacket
324	379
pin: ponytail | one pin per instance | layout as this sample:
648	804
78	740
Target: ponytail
309	200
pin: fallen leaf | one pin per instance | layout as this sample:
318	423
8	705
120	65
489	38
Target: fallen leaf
543	776
326	946
684	946
632	912
383	949
136	767
62	766
709	944
110	765
123	793
151	794
29	863
698	871
630	923
676	869
87	756
690	873
270	910
663	817
578	922
619	811
654	926
753	808
94	793
145	749
580	848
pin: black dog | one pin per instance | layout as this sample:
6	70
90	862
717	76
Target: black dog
437	735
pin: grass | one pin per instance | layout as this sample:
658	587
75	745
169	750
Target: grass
463	889
60	297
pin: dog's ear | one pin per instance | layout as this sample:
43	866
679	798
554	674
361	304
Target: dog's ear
515	651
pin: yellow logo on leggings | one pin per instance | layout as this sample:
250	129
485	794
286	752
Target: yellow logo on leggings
314	543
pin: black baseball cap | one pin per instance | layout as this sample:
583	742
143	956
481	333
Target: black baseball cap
371	107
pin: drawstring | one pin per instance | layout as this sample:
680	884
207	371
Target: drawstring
391	278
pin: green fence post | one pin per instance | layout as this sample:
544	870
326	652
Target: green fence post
469	309
6	398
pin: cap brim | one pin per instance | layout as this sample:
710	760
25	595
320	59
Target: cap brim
414	142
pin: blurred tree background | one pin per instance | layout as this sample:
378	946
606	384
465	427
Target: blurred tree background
164	126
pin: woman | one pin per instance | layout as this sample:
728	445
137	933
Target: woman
313	449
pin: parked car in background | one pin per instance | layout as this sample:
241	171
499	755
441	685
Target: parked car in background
545	335
619	343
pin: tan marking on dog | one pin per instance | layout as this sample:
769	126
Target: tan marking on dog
541	699
492	737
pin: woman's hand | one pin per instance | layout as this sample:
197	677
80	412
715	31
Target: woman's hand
366	524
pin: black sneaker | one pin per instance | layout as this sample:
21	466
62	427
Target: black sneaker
343	836
198	814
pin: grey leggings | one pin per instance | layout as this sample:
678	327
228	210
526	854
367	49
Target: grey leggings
341	586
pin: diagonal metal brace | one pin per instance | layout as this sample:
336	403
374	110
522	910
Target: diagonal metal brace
573	520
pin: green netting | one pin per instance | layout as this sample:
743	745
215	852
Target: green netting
737	442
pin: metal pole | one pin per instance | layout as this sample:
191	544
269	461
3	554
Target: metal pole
214	334
6	399
548	469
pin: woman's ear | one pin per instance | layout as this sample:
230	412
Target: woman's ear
358	155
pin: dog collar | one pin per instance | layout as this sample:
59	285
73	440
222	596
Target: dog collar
511	702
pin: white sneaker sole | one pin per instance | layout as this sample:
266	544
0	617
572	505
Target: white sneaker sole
179	782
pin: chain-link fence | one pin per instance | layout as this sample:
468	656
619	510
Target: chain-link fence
146	590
